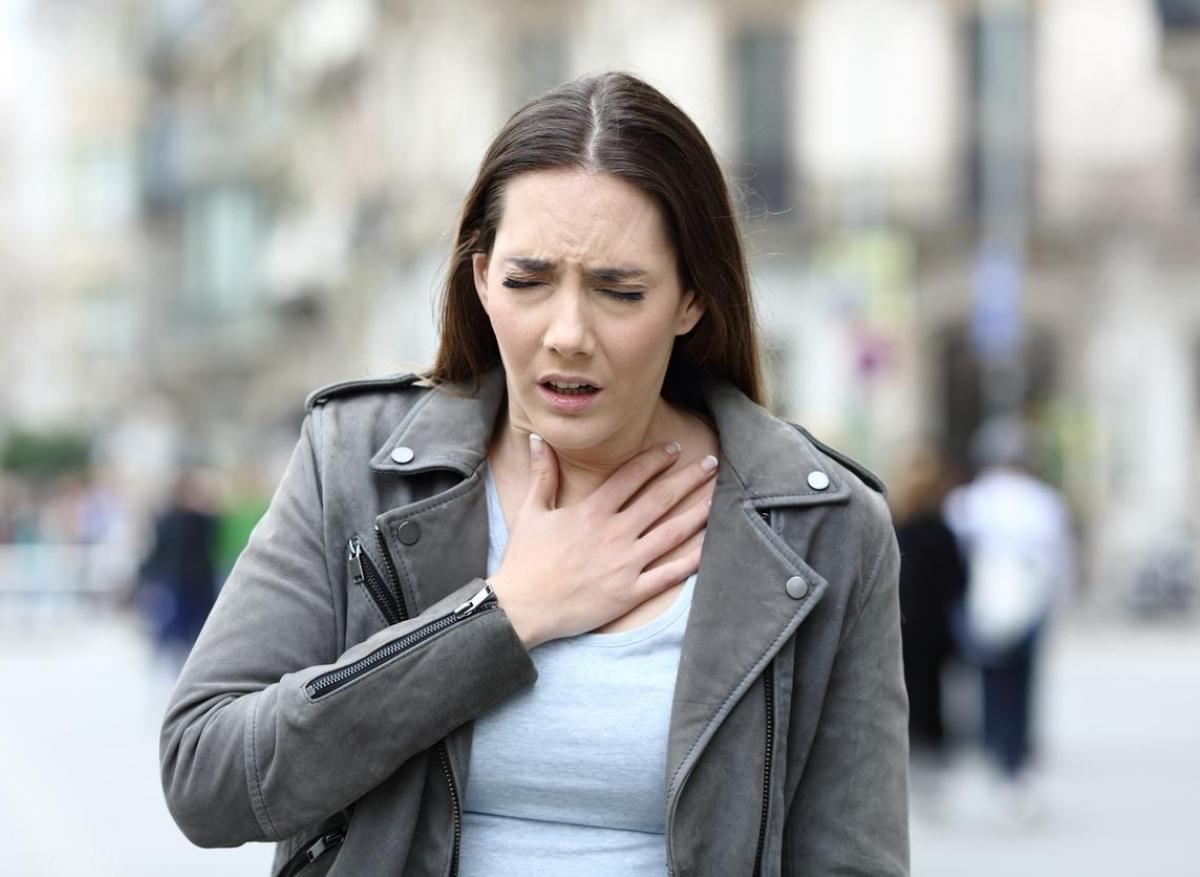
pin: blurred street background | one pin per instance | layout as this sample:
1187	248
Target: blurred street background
958	208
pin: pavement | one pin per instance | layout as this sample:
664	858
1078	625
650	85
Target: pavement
1118	792
80	792
1117	789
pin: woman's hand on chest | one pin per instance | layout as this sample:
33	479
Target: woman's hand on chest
596	563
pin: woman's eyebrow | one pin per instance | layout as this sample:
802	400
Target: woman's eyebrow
616	275
533	266
610	275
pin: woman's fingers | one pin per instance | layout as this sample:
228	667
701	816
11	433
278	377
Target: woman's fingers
667	493
612	495
664	575
543	474
673	533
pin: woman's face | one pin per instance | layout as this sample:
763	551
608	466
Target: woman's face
582	282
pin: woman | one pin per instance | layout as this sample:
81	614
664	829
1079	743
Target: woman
932	578
391	683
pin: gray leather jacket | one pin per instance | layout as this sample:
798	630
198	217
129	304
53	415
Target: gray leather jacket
328	702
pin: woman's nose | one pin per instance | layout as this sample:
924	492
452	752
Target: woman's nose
569	331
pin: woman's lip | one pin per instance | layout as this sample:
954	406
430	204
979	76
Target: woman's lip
568	404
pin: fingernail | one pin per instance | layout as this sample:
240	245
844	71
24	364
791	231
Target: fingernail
535	444
708	463
674	448
703	533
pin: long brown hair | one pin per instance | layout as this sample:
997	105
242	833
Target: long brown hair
616	124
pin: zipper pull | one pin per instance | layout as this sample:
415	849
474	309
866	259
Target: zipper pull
481	596
323	843
356	564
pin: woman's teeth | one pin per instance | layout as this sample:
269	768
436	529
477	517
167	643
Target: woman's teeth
572	390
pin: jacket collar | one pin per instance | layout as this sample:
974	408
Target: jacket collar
774	464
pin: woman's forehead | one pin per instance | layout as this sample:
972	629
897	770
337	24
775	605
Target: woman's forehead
594	220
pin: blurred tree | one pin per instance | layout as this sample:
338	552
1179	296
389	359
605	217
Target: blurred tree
45	454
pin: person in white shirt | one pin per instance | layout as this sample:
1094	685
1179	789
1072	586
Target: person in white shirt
1016	536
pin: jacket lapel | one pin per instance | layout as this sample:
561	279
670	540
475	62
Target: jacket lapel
440	541
743	609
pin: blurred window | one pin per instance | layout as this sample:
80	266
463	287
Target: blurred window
161	149
109	321
107	184
223	235
1181	14
973	38
999	83
963	406
538	63
171	19
764	103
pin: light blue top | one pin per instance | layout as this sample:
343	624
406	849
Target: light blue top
569	776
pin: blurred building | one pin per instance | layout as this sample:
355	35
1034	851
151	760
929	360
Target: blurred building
949	205
74	292
70	233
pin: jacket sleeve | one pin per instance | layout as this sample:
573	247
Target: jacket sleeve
247	752
849	815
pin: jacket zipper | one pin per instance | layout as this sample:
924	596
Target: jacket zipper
393	578
769	688
388	598
330	682
444	757
312	851
364	572
769	691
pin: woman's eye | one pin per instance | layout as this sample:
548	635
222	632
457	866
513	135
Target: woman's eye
514	283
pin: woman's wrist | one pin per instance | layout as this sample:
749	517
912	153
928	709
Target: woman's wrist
518	617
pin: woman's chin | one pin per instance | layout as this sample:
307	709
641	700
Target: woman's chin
568	441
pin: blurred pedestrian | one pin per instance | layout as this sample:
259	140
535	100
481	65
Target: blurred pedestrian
176	580
1016	535
932	579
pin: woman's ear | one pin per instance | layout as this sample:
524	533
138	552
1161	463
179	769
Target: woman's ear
691	309
479	267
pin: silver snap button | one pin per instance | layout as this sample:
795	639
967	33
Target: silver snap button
402	454
818	480
797	588
409	532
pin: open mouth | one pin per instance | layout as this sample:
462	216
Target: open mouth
568	390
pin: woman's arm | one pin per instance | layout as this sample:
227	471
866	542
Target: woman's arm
849	815
250	751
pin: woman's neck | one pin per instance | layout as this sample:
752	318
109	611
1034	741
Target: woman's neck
582	471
